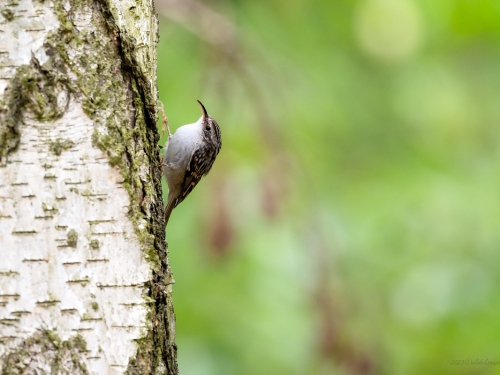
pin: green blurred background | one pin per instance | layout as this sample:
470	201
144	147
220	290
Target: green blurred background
350	224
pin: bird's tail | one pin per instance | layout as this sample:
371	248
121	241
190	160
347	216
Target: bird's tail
168	210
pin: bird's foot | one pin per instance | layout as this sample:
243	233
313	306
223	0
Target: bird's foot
163	164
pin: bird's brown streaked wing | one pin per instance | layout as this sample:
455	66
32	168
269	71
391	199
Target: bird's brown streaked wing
192	177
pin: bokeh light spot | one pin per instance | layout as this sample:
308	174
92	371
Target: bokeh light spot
388	30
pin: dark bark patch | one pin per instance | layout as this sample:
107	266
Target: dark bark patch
72	238
33	89
8	14
60	145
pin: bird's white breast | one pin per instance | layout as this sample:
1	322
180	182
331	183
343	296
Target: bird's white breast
178	151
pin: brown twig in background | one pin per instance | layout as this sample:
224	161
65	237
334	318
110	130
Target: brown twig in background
335	344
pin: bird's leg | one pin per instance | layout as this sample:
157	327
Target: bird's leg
164	121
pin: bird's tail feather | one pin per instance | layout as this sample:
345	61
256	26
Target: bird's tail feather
168	210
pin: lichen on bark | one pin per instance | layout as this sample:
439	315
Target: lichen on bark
45	352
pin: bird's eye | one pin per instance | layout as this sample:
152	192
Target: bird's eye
207	127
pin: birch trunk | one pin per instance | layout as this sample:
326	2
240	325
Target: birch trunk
85	286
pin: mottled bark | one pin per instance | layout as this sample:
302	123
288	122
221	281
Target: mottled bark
85	286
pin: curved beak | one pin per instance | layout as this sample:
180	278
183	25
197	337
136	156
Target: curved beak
205	114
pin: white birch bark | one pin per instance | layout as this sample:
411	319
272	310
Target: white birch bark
84	280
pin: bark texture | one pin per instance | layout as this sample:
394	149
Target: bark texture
85	286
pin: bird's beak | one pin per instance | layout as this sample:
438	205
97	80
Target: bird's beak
205	114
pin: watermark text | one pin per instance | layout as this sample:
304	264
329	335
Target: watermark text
474	362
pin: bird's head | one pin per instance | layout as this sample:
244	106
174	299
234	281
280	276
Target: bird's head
210	128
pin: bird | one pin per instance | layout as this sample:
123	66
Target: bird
189	155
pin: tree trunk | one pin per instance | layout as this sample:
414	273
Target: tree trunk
85	286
